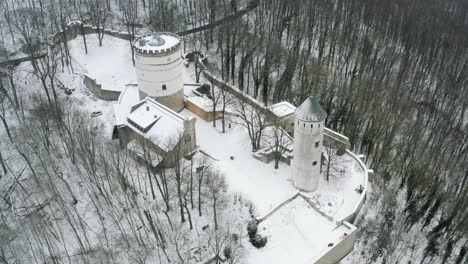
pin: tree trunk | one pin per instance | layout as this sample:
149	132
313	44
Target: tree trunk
7	128
84	37
215	217
2	162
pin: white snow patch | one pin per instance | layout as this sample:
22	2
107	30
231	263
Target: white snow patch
111	65
296	233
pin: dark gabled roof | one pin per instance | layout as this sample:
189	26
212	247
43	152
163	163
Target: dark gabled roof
311	111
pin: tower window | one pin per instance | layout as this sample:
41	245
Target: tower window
314	163
311	125
164	87
292	124
317	144
319	125
304	124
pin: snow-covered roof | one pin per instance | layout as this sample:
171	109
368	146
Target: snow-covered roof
156	43
282	109
311	111
128	97
198	99
155	122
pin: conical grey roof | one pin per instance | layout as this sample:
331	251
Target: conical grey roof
311	111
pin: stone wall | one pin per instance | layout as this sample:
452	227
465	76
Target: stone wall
261	219
174	101
339	250
331	138
335	140
72	32
333	254
207	116
352	216
97	90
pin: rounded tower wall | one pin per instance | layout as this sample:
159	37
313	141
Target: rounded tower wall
306	162
159	69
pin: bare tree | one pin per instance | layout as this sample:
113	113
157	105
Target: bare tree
217	241
130	18
98	15
46	70
4	109
215	100
331	161
253	121
81	7
195	44
162	15
227	101
5	7
279	142
8	70
201	171
216	187
3	164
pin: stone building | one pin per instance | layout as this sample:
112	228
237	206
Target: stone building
283	112
147	118
155	132
159	69
308	139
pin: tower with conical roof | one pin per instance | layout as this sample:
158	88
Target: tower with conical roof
308	138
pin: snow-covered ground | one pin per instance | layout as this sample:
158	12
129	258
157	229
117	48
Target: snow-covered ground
296	233
338	196
111	65
266	187
259	182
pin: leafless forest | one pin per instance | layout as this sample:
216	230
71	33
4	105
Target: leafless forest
392	75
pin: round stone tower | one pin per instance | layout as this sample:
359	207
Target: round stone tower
158	66
308	138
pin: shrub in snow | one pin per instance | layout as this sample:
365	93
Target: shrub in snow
258	241
251	209
252	228
227	252
235	238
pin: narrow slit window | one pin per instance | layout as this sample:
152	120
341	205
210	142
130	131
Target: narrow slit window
317	144
164	87
314	163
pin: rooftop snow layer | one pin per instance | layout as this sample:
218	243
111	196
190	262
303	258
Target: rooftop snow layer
155	122
156	42
282	109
